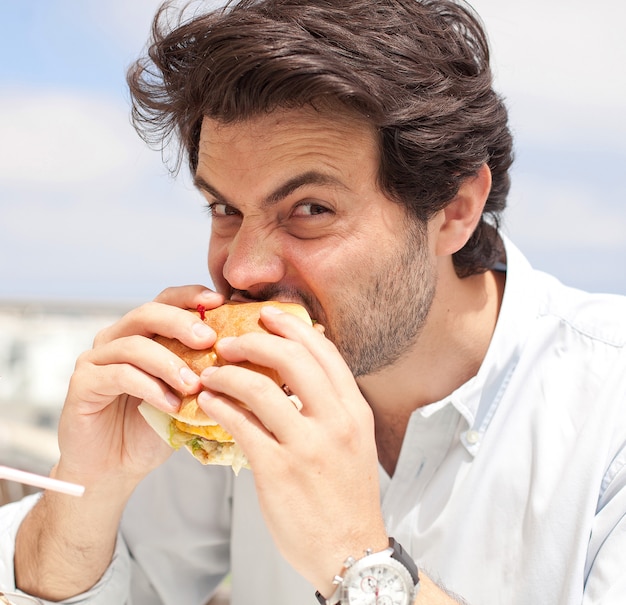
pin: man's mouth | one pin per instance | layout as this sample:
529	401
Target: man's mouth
284	295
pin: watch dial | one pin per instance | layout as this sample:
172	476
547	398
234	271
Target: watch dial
380	585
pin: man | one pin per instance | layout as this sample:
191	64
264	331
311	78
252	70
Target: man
354	159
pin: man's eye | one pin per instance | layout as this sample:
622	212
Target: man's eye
217	209
310	209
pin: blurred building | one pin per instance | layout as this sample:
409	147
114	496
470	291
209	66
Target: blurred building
39	344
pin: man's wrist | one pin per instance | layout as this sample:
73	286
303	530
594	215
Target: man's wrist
375	572
64	544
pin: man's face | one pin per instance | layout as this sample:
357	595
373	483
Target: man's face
297	216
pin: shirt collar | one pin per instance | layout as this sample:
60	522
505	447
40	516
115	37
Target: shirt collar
477	399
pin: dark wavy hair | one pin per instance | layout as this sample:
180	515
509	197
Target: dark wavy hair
416	70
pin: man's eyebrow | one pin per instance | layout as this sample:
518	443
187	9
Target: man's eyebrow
311	177
201	184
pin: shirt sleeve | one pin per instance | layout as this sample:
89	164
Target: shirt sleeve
605	579
113	587
174	542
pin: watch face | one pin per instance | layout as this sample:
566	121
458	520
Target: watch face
383	584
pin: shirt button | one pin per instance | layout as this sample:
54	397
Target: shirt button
472	437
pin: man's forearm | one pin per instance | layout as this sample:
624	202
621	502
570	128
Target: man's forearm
65	544
432	594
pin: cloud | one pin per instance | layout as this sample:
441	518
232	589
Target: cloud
86	207
560	65
564	214
54	138
129	22
86	210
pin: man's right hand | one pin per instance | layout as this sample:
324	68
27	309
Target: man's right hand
65	544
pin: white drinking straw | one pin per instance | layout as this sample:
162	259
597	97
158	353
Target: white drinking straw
13	474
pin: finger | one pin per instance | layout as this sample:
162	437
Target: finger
134	366
189	297
254	438
322	349
294	363
267	402
157	318
93	388
151	357
305	359
239	421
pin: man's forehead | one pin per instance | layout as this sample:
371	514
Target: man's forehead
278	153
305	137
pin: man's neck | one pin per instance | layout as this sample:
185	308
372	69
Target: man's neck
449	352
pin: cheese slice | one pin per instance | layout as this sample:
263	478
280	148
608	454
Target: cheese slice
212	433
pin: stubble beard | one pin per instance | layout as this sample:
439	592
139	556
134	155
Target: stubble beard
379	324
376	325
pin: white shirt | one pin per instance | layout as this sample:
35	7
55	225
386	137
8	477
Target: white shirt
512	490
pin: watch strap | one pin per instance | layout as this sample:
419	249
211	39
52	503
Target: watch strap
323	601
399	554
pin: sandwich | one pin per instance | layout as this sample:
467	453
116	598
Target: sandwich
190	427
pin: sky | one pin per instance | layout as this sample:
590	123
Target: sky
88	212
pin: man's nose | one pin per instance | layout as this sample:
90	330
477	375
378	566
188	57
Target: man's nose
254	258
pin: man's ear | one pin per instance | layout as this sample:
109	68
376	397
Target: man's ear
462	214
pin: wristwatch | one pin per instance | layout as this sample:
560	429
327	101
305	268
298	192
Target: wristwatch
388	577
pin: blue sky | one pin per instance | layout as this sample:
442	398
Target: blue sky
88	212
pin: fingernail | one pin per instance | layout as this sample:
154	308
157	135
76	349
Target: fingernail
187	376
172	400
201	330
272	310
208	371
